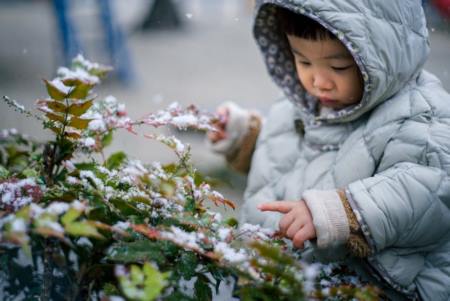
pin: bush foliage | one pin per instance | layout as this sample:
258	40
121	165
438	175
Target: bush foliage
75	225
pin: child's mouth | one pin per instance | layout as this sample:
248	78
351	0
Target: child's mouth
327	101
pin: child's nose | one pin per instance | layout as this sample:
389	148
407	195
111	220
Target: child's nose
321	82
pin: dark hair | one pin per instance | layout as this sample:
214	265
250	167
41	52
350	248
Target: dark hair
301	26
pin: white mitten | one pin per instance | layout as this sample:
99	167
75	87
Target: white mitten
236	128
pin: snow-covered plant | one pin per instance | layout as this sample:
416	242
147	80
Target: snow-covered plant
75	225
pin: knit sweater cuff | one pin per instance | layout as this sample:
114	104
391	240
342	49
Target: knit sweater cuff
329	217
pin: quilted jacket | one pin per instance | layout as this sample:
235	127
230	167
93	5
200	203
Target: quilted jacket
390	153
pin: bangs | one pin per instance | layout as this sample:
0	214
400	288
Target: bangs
301	26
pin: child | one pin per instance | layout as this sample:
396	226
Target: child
356	160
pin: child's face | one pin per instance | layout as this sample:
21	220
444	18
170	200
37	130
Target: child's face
327	71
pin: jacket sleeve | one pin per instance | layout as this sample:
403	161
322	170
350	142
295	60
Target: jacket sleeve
407	204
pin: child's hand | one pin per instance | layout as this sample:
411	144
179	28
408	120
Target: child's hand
221	125
296	224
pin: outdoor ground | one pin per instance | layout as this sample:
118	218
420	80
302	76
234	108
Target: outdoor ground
211	59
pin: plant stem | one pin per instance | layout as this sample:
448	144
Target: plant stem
48	271
59	139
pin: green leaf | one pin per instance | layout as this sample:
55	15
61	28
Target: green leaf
187	265
167	188
82	229
86	166
110	289
79	123
274	253
54	105
80	91
178	296
79	109
100	71
144	284
55	117
100	212
4	173
202	289
65	150
70	216
190	205
170	168
125	207
218	274
54	92
232	222
30	173
24	213
155	281
55	130
71	82
72	134
138	251
107	139
115	160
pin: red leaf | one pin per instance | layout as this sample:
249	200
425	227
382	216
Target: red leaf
145	230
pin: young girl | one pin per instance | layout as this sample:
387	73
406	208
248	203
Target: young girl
356	159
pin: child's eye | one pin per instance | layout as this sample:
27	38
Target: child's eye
341	68
303	63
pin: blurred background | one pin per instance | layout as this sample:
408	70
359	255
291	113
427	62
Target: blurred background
191	51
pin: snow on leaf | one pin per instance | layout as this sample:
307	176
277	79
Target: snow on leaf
56	89
16	194
181	118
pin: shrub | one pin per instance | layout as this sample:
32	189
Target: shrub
75	225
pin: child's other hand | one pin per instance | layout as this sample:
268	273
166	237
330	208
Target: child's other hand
296	224
221	124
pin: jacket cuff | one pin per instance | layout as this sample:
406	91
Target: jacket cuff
329	217
356	244
236	128
240	159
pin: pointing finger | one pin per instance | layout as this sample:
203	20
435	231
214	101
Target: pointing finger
280	206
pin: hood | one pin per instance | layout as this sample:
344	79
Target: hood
387	39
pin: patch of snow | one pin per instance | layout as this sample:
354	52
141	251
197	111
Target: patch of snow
230	254
52	225
22	259
84	242
223	233
97	125
57	208
122	225
185	121
69	165
36	210
18	225
72	180
88	142
79	206
58	84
